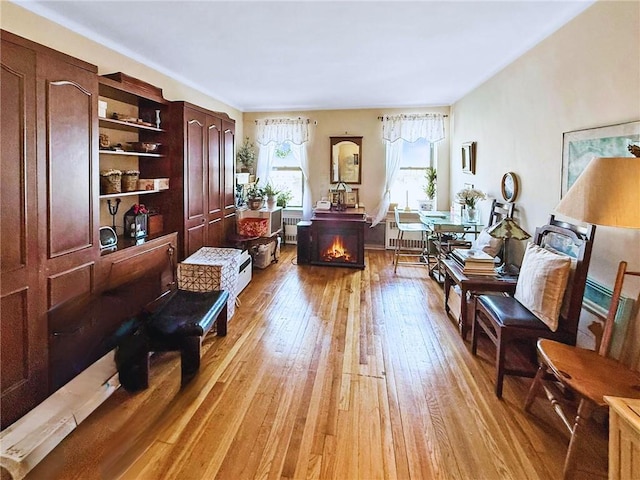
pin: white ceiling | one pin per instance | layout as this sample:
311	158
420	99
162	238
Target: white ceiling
309	55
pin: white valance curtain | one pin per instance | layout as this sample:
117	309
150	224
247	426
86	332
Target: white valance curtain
271	132
412	127
409	128
280	130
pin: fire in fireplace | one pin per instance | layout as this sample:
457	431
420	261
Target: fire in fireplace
337	251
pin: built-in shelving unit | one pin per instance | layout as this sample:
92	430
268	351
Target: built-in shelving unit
142	106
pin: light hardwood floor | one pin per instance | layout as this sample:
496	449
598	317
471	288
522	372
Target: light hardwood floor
325	373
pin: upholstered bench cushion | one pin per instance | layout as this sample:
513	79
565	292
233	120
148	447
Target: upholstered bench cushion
187	314
510	312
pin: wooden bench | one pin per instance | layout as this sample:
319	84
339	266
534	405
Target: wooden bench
178	322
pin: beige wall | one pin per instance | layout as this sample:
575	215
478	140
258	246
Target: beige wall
365	123
38	29
585	75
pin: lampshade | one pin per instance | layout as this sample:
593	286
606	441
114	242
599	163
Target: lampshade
341	186
606	193
507	228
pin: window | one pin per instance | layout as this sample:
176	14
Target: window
286	173
410	181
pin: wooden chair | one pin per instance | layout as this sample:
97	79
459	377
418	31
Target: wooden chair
588	374
500	210
409	222
505	320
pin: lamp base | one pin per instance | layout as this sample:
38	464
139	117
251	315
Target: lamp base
507	270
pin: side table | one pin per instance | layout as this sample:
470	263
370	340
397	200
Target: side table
472	284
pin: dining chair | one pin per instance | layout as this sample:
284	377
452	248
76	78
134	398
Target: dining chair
417	249
547	299
588	374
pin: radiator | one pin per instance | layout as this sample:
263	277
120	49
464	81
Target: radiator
290	221
410	240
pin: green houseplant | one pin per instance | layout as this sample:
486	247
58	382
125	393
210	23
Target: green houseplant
284	197
246	155
271	192
430	188
255	195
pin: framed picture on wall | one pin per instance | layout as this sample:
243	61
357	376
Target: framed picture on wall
469	157
581	146
351	198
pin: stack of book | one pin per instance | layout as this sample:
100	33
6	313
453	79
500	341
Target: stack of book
474	262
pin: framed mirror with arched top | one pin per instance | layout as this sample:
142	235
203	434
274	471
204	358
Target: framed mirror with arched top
346	160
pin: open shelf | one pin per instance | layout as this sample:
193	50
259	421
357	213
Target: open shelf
131	154
119	124
128	194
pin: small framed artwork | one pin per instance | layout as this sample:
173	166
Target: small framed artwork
351	198
334	197
469	157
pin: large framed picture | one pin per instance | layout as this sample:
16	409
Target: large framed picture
581	146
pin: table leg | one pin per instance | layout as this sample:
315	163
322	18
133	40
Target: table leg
447	287
462	320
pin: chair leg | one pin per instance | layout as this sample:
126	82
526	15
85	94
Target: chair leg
535	387
396	257
585	409
500	356
474	334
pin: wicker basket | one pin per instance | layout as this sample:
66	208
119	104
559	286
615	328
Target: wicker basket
110	182
130	180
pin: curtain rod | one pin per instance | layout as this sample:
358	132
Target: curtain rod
315	122
444	116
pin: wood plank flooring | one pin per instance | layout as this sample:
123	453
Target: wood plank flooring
326	373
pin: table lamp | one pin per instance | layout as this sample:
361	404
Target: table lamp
506	229
341	188
607	193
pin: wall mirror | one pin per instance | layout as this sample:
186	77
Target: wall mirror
346	159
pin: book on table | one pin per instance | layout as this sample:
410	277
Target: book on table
474	262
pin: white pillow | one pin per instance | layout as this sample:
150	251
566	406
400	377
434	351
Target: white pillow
542	283
487	243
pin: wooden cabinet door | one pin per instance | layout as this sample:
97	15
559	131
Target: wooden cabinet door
195	175
23	338
228	192
215	183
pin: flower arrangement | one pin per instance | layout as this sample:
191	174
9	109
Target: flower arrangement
470	196
139	209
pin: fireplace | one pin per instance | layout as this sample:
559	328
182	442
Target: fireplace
337	238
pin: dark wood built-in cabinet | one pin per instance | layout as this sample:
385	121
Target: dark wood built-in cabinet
62	299
203	181
49	206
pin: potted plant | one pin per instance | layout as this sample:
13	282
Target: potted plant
255	196
271	192
284	197
430	188
246	156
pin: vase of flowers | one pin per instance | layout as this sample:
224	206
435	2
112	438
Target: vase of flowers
470	197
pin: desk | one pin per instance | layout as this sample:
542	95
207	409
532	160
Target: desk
473	284
431	218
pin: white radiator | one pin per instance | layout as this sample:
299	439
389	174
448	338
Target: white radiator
410	240
290	221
